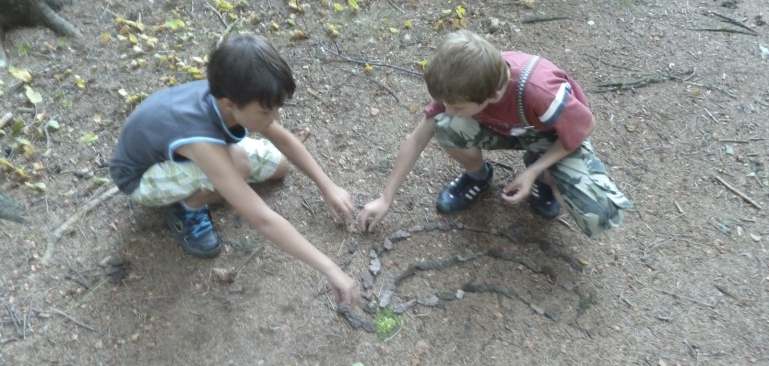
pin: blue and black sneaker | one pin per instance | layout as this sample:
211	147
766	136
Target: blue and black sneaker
194	231
543	202
460	193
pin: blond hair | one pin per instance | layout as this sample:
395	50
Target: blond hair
465	68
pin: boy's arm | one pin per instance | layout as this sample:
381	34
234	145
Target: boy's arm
408	153
336	197
215	162
520	187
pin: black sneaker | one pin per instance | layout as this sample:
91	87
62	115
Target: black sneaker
194	231
460	193
542	201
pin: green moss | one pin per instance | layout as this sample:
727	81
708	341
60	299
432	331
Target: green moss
387	323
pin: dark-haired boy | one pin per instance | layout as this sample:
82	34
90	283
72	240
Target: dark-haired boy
486	99
187	145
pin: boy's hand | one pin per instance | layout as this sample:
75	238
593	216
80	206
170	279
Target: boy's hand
517	190
373	213
346	290
340	203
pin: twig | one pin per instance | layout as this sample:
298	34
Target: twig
678	207
56	235
532	20
346	58
638	83
14	318
677	296
738	192
731	21
612	65
251	257
711	116
747	141
394	5
5	118
723	30
218	14
380	84
57	311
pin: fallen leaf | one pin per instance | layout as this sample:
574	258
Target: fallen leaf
299	35
79	82
332	30
224	6
105	38
368	69
460	11
53	125
33	96
393	30
408	24
353	4
39	186
422	64
274	26
88	138
293	5
174	24
21	74
338	7
137	26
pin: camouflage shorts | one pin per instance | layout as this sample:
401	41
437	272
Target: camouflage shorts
591	197
169	181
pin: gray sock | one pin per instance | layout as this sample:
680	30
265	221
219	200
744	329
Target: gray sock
481	174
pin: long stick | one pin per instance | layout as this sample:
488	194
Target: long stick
57	311
64	227
738	192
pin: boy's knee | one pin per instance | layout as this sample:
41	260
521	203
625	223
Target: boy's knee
240	160
281	170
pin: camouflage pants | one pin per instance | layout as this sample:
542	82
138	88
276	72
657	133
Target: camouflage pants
591	197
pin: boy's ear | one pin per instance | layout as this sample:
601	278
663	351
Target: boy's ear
227	103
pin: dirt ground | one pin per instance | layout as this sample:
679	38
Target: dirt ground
685	281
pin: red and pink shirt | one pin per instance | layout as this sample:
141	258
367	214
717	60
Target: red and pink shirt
552	101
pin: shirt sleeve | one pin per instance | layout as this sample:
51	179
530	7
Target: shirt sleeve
433	109
556	107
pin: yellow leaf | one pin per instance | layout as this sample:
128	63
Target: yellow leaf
460	11
174	24
89	138
133	39
408	24
353	4
338	7
224	6
422	64
33	96
195	72
293	5
39	186
138	26
368	69
528	3
332	30
21	74
79	82
105	38
274	26
393	30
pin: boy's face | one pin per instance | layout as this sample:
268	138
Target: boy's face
253	116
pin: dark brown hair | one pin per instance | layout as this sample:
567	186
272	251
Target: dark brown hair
246	68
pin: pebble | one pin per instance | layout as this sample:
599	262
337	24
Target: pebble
375	266
388	244
404	307
400	235
430	300
386	298
367	280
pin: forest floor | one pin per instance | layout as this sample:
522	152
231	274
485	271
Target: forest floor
685	281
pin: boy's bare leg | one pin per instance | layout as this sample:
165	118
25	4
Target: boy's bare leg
471	159
240	160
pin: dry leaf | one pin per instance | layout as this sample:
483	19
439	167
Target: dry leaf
33	96
299	35
368	69
21	74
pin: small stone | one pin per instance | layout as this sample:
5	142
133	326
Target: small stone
404	307
375	266
460	295
235	289
134	337
372	254
99	344
493	25
386	298
756	238
224	275
400	235
416	228
367	280
388	244
431	226
430	300
374	111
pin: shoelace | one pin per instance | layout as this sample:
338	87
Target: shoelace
198	221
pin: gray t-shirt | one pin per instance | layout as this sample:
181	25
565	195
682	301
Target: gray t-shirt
164	122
